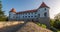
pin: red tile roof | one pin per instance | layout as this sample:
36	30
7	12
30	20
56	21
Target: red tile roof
13	10
43	5
35	10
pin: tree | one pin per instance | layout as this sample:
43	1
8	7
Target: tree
57	24
57	21
2	16
57	17
52	22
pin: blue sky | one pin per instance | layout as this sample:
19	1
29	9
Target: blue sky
22	5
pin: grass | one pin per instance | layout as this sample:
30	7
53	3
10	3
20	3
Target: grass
42	25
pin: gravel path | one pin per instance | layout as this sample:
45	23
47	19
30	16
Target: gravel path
12	28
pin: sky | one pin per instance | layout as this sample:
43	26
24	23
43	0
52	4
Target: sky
22	5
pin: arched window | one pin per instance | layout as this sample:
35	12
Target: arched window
45	14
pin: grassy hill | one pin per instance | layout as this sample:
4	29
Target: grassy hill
32	27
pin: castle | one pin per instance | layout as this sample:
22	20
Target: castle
41	14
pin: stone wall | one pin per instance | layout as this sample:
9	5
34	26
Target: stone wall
45	21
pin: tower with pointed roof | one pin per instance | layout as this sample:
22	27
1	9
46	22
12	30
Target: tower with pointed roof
43	14
43	5
13	10
12	13
43	10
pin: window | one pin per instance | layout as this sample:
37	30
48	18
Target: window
31	16
16	17
28	16
26	13
29	13
35	12
35	16
32	13
38	14
9	14
45	14
25	16
23	13
45	8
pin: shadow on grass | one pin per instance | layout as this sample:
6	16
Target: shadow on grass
12	28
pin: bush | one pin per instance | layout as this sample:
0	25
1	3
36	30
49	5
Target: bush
52	22
53	29
39	24
42	25
57	24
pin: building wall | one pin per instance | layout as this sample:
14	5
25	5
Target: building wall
11	16
30	15
45	21
41	11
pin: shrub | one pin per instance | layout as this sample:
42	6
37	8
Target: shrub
53	29
43	25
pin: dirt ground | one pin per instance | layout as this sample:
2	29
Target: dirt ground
20	26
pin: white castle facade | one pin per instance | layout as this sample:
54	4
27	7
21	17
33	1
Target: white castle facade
41	14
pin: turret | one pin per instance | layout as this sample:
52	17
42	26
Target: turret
13	10
43	14
43	10
12	13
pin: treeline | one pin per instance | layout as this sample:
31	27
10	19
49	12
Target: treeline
55	23
3	17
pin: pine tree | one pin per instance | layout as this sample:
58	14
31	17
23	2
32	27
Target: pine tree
1	12
2	16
